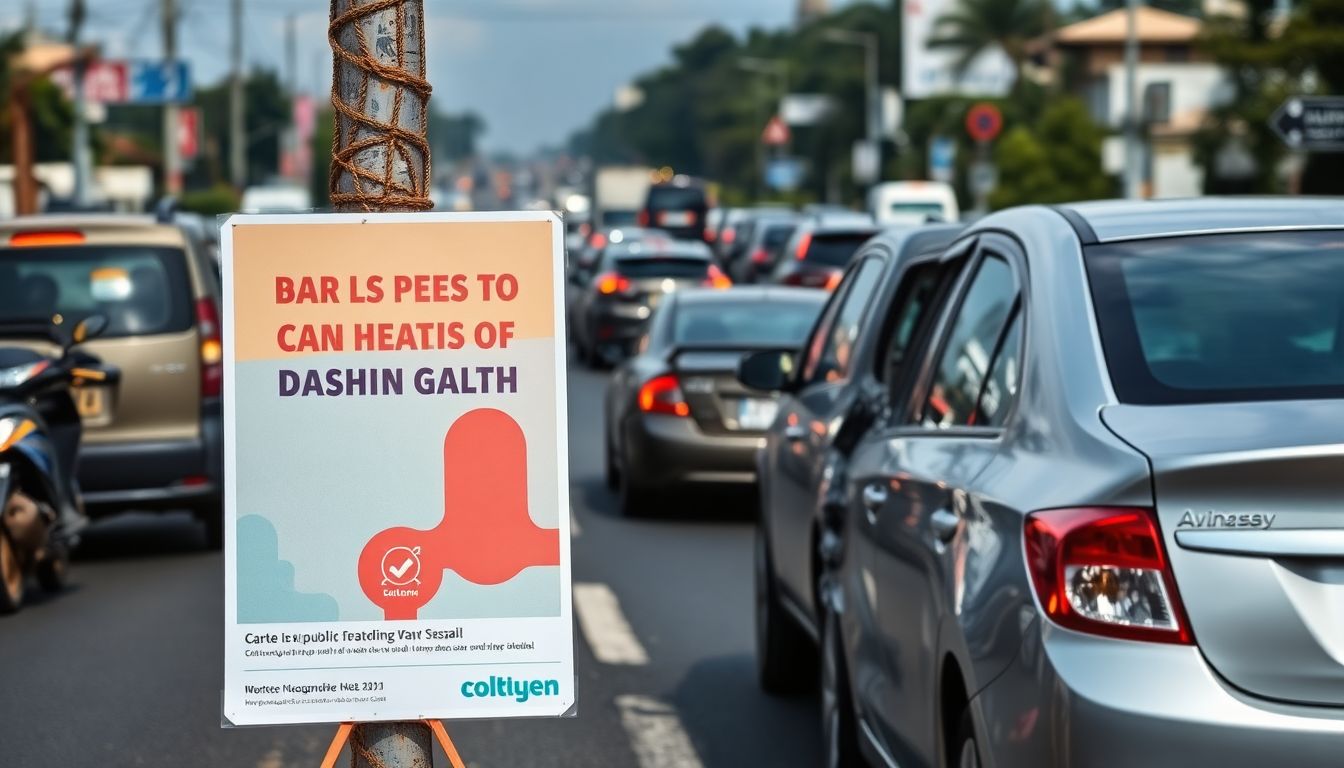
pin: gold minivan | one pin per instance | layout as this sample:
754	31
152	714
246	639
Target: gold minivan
155	440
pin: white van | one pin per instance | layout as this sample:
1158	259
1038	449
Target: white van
913	202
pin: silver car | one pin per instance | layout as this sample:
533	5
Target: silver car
1101	522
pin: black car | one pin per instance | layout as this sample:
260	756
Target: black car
611	309
829	385
764	239
820	249
676	414
678	207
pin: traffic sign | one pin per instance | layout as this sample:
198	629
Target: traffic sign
189	133
130	82
396	502
776	133
983	122
942	159
1311	123
784	174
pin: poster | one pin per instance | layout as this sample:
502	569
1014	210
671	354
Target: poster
397	521
930	71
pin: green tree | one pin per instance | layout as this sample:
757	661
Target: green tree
1057	160
975	26
50	112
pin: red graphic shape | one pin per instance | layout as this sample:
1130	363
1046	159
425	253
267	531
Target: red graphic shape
486	535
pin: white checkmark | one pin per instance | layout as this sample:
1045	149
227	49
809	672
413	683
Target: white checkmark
401	570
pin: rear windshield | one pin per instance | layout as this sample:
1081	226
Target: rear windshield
140	290
776	237
1222	318
639	269
930	211
834	250
676	198
754	324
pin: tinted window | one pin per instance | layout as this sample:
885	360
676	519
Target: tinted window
974	336
1000	390
1222	318
676	198
834	250
639	269
140	290
755	324
837	358
776	237
918	289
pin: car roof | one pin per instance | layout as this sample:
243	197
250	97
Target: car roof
765	294
918	240
1114	220
99	229
660	248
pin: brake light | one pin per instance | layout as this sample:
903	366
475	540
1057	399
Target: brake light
1104	571
39	239
833	281
715	278
759	256
729	235
710	235
611	282
643	218
662	394
212	348
804	243
598	240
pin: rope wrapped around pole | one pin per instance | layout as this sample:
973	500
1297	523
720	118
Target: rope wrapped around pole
380	155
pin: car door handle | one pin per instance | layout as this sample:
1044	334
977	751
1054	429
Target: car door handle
874	496
944	524
795	432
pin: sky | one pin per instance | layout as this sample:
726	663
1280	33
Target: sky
535	70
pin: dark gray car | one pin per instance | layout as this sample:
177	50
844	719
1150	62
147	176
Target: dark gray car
676	414
1097	522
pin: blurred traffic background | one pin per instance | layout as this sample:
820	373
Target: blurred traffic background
725	171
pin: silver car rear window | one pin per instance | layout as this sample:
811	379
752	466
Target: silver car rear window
1222	318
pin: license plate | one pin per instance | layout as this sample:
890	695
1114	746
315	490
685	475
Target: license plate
756	414
91	402
676	218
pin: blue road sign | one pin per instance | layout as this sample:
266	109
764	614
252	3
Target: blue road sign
784	174
942	159
158	82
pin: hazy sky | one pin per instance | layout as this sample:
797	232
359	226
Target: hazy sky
534	69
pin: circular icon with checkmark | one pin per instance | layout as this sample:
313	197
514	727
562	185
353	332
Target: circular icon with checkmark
401	566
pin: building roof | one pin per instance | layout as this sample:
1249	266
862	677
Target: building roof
1154	26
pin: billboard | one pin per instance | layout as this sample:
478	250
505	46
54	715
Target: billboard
396	477
929	71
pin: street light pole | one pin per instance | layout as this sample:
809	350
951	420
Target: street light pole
172	160
873	94
1133	147
769	68
237	121
79	152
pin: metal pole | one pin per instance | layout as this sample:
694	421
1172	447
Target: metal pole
380	162
874	102
79	152
380	158
1133	147
172	161
237	105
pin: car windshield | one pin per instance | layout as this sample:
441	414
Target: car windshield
918	209
1222	318
750	324
676	198
834	250
777	236
140	290
655	267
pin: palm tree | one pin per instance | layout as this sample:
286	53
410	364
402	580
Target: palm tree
975	26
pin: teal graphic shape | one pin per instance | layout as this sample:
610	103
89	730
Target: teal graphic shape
266	592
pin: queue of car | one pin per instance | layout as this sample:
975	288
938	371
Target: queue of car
1057	488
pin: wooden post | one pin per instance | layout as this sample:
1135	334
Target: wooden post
25	183
380	162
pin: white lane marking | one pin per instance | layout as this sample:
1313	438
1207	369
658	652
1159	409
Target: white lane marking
574	530
605	627
656	733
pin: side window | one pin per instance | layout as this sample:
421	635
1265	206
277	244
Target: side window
837	356
816	343
1001	388
967	355
910	314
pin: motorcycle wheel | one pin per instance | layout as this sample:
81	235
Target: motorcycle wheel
11	575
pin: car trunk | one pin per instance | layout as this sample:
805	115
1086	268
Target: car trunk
651	279
719	403
1250	497
159	396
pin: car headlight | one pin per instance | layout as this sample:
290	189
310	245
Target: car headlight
13	377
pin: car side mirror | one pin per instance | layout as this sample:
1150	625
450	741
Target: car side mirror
767	371
90	327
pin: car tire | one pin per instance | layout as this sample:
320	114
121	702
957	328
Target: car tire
612	473
840	735
11	574
784	653
211	515
968	749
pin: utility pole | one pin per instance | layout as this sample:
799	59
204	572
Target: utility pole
1133	146
872	88
79	151
172	161
237	120
380	162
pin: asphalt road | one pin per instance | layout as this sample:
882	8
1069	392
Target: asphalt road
125	668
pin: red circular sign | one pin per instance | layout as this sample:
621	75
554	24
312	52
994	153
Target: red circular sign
983	122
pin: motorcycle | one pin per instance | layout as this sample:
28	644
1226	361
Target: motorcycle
40	430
